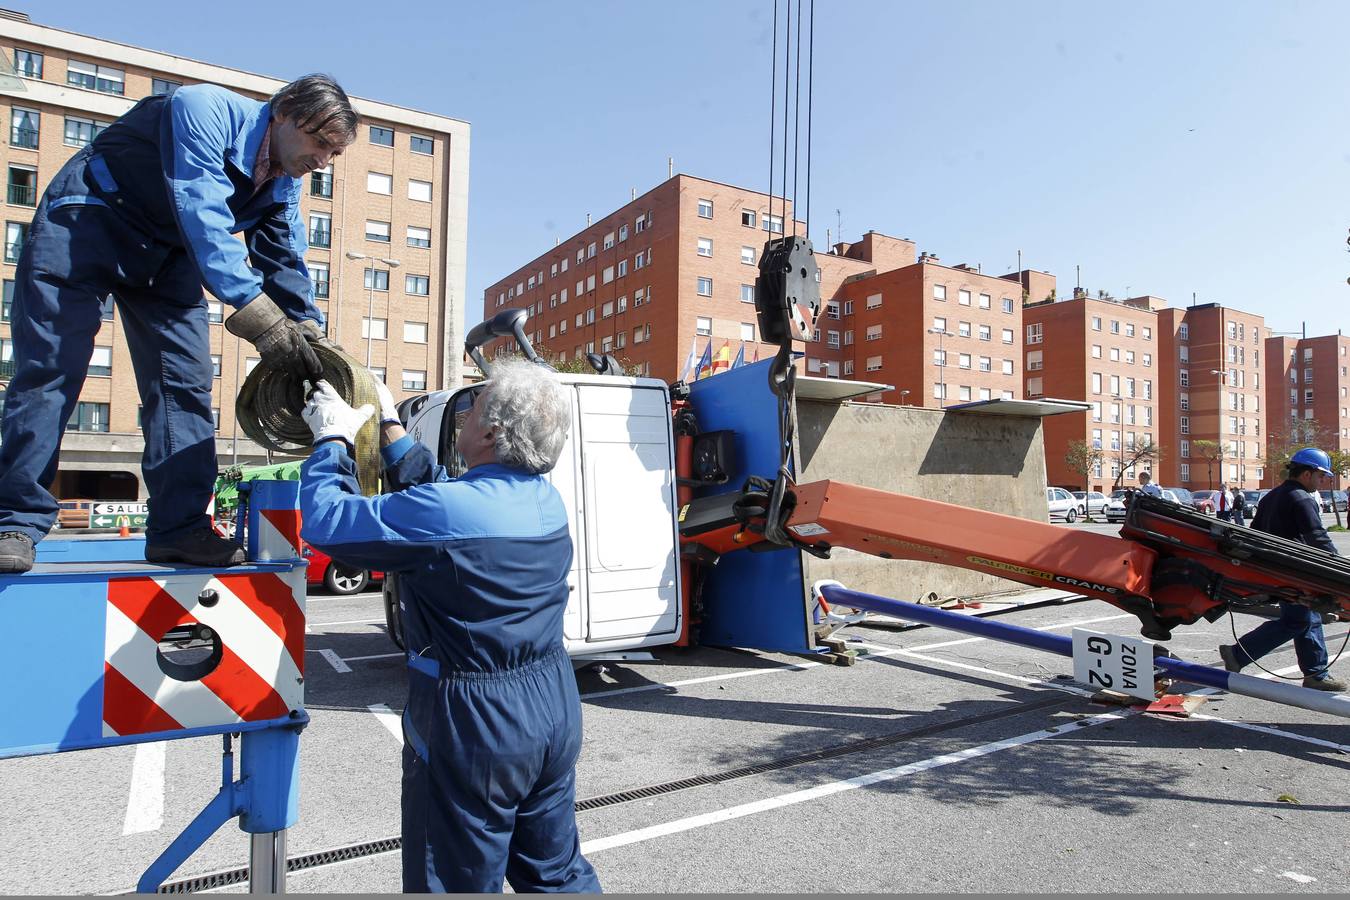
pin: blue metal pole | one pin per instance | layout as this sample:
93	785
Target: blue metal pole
1234	682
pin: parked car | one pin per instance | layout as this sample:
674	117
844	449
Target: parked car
1179	495
1061	504
1115	506
1253	498
1206	502
1327	498
335	577
1090	500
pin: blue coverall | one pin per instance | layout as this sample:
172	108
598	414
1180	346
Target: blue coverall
1289	511
492	728
145	214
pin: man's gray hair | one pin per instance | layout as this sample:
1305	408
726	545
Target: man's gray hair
319	106
529	412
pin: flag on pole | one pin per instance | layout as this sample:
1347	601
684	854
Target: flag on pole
689	360
740	357
756	359
704	361
722	361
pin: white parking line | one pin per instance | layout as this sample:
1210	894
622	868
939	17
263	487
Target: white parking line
335	661
389	719
372	656
379	621
836	787
145	803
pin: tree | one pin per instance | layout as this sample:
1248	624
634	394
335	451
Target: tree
1211	452
1084	459
576	365
1144	451
1340	464
1285	440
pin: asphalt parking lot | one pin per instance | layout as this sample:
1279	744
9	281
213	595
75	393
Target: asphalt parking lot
937	763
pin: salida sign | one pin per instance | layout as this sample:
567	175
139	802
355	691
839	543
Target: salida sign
115	515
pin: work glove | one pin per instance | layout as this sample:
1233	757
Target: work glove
281	342
329	416
388	411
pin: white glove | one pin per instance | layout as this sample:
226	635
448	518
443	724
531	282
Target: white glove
329	416
388	411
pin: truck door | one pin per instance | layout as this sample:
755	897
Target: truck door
566	478
628	514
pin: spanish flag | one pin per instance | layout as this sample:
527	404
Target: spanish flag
722	361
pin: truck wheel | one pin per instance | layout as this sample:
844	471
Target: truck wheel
340	579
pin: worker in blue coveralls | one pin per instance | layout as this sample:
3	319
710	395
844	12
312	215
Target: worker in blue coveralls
1292	511
146	214
492	729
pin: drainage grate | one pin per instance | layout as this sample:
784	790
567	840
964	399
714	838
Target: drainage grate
229	877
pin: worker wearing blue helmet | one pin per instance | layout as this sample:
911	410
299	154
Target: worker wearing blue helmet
492	727
1292	511
146	215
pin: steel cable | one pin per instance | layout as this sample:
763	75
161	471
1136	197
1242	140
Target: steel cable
271	398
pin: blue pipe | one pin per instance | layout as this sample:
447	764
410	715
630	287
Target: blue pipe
1234	682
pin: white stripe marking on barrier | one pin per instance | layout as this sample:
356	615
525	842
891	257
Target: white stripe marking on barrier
145	803
273	546
247	636
190	703
335	661
837	787
389	719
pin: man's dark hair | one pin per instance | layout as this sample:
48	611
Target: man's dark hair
319	106
1297	469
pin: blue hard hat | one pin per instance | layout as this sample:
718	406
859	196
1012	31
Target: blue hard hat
1313	459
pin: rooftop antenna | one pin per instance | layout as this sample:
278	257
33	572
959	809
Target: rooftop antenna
839	224
670	167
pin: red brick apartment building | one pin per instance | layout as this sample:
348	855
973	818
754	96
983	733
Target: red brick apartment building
1211	390
1306	380
1104	352
676	268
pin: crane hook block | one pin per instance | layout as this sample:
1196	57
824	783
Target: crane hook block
787	291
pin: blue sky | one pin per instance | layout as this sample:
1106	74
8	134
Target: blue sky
1166	148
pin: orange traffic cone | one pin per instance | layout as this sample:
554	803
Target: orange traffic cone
124	530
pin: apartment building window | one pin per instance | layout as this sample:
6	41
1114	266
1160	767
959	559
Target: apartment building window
1184	354
748	333
964	393
79	132
318	277
164	86
985	301
831	310
423	145
417	285
1184	376
562	326
251	363
607	309
873	301
939	323
91	77
1307	376
773	224
963	329
832	339
418	236
7	301
939	357
215	312
705	246
642	223
320	230
748	255
1115	354
642	295
963	361
705	209
704	287
89	417
415	332
1129	329
940	292
590	283
374	329
623	233
1307	396
703	325
376	280
377	231
590	250
414	380
1096	351
1007	367
101	362
1184	332
24	125
1034	361
607	275
22	188
1186	472
1115	385
1096	410
321	182
215	365
379	183
623	267
419	190
1007	305
963	297
1148	389
848	337
590	316
1034	387
986	364
1034	333
873	364
1185	424
381	136
848	368
28	63
16	234
1007	335
1148	360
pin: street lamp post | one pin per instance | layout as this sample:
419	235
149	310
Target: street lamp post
942	366
903	395
370	297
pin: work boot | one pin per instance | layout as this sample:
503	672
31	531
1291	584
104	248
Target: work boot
199	547
16	552
1325	683
1228	653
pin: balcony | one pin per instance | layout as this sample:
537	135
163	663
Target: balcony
321	185
13	250
7	368
23	137
23	195
320	237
